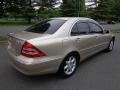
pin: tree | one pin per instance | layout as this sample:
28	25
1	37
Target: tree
69	8
28	14
14	6
24	8
81	7
73	7
103	10
47	9
115	10
1	8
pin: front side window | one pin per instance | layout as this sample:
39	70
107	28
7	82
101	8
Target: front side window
49	26
94	28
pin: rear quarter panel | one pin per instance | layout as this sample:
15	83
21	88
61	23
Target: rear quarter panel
51	47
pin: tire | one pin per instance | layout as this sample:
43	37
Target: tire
111	46
69	65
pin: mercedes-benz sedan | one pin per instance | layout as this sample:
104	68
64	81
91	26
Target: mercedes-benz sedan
57	45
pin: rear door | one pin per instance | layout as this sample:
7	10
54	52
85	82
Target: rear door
81	38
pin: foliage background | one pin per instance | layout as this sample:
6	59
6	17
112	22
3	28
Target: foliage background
35	10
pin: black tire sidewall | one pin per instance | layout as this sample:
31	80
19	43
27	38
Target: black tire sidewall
112	46
61	69
108	48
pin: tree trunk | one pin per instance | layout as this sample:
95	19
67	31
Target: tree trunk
29	20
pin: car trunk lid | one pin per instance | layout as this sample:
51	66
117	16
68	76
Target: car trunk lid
16	40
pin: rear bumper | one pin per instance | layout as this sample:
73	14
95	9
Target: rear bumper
35	66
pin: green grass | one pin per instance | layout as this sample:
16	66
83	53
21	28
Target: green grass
115	30
3	38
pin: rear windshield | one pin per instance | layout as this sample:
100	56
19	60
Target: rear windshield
49	26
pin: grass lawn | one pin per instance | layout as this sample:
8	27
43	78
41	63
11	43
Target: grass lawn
115	31
3	38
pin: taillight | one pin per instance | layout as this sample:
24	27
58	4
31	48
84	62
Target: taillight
31	51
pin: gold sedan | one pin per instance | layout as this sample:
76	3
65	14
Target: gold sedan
57	45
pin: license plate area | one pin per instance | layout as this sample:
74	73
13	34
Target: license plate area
15	45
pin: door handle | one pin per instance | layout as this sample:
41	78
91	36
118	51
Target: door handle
96	36
77	39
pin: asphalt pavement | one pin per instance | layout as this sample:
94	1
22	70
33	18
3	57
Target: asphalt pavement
100	72
112	26
5	30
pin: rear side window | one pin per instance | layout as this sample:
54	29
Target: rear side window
83	27
80	28
47	26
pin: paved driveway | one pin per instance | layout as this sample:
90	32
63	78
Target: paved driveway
112	26
101	72
4	30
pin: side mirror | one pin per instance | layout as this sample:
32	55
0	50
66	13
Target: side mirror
107	31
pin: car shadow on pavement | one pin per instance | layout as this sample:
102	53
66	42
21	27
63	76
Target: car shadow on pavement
92	60
87	60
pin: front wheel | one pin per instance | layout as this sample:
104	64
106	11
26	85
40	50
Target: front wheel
68	66
111	46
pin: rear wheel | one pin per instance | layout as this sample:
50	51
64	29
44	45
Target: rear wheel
69	65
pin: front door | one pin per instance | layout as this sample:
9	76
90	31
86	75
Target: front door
101	38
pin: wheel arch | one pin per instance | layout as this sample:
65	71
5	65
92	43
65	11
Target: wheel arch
72	52
113	38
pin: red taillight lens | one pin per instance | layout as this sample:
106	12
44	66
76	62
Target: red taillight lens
31	51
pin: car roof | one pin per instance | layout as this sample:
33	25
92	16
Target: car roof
68	18
76	18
